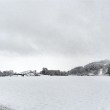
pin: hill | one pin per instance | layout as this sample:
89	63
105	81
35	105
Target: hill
95	68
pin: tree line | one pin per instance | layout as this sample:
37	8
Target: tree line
91	69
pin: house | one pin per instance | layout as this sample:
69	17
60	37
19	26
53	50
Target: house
27	73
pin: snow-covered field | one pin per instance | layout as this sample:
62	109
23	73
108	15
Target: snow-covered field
55	93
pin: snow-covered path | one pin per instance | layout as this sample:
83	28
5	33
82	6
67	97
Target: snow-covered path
55	93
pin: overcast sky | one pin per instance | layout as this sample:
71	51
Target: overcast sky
58	34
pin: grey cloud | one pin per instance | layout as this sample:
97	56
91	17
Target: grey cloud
70	27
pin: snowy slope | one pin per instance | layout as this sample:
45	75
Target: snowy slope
55	93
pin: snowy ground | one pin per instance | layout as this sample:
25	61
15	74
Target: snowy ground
55	93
